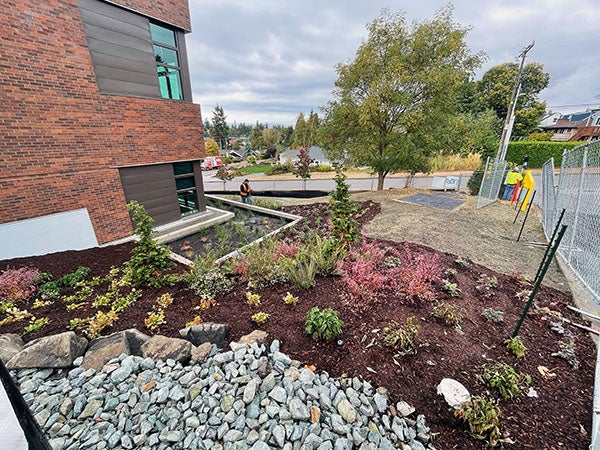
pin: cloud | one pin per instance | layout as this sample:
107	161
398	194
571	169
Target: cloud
269	60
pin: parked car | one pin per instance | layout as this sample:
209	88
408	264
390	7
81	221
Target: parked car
211	162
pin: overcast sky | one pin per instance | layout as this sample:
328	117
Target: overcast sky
268	60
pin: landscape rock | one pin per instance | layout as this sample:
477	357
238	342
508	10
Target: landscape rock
161	347
200	353
215	333
10	344
105	348
256	337
57	351
135	340
454	392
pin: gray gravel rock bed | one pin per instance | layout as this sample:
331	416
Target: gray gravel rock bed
250	398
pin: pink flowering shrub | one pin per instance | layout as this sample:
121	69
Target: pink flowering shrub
18	284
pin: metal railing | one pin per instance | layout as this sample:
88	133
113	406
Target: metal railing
578	193
492	180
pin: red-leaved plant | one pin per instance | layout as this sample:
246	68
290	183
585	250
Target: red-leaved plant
415	278
18	284
285	249
361	273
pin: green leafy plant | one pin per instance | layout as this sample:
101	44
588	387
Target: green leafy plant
516	346
402	338
259	265
99	322
252	299
300	270
451	272
206	279
149	263
451	288
197	320
36	324
39	303
487	285
324	324
14	314
290	299
567	351
450	314
78	324
493	315
483	416
155	319
462	262
260	318
503	377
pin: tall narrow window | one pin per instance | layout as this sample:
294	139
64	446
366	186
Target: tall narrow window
166	55
186	187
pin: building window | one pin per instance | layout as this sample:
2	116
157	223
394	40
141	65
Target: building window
185	181
166	55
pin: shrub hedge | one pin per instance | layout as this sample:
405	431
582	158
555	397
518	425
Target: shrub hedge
539	152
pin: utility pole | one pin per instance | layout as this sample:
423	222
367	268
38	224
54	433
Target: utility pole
510	114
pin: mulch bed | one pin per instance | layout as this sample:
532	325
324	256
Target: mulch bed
559	417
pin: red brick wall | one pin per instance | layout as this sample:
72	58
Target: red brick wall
174	12
61	139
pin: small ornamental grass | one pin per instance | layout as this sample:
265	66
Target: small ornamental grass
325	324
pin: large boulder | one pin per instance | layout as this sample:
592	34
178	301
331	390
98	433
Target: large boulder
10	344
161	347
103	349
215	333
56	351
135	339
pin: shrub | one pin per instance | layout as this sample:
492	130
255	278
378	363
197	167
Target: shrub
71	279
401	338
149	262
504	378
323	168
483	417
475	179
324	324
415	278
260	318
487	285
361	273
516	346
450	314
155	319
290	299
252	299
539	152
18	284
451	288
206	279
259	266
275	169
96	324
343	212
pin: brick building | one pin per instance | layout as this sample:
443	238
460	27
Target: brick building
96	110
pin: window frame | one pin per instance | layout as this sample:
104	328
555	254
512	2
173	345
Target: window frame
178	69
193	189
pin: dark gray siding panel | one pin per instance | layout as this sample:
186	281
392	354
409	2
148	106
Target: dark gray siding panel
154	188
121	49
186	86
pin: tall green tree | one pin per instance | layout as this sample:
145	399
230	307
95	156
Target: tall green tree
299	139
312	126
394	101
219	128
494	91
256	137
270	137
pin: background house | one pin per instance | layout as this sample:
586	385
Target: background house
581	126
96	111
315	153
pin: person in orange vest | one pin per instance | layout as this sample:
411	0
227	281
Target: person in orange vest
511	180
246	192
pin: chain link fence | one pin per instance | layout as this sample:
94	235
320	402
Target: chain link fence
492	180
578	193
548	204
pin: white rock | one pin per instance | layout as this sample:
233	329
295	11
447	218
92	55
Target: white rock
454	392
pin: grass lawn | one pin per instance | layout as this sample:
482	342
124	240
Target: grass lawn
259	168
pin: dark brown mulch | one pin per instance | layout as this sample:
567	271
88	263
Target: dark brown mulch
560	417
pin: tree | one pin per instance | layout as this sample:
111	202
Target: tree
256	137
212	148
299	137
219	129
312	126
302	166
270	137
395	100
494	91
